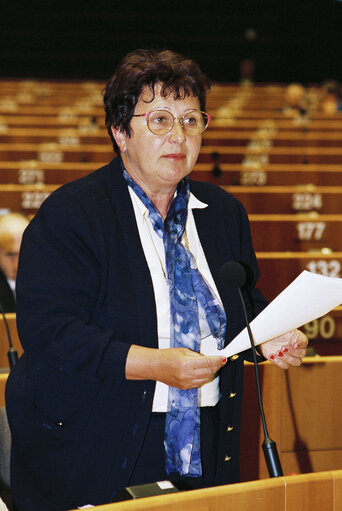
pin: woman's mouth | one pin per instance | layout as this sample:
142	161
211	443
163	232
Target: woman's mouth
175	156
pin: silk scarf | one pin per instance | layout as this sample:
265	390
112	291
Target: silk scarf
190	296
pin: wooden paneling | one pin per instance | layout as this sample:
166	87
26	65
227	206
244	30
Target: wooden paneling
302	414
3	379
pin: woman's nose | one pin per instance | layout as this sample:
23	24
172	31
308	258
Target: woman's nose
177	133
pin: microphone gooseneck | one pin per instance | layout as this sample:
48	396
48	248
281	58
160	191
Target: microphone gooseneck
12	353
233	274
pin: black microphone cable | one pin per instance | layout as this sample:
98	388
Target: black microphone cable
12	353
234	275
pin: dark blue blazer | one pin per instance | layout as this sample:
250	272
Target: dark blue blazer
84	295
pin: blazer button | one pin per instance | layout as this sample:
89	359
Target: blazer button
230	428
60	424
232	394
227	458
234	357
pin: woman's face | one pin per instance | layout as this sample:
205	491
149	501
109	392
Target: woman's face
158	162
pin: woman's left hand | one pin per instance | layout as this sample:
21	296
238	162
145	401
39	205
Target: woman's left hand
286	350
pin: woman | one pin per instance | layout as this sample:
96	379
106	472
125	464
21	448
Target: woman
118	290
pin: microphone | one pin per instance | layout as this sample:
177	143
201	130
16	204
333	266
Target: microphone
12	354
233	274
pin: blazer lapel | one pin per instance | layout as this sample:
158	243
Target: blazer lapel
140	277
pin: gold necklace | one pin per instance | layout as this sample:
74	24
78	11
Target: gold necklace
186	240
155	249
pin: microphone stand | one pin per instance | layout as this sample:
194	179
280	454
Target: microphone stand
12	354
269	446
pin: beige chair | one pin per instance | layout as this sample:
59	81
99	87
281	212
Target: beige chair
5	447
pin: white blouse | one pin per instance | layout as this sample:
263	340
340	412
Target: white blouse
155	256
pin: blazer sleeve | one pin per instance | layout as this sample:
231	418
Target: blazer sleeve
60	285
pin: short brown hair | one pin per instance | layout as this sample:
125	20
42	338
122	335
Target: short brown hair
141	68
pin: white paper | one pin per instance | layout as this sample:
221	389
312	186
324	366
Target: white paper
308	297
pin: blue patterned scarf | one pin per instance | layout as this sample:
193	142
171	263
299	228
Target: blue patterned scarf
188	290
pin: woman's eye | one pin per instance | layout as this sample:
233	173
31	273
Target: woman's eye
190	121
159	120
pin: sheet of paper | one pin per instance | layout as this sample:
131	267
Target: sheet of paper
308	297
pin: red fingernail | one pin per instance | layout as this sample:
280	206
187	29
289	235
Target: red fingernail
224	360
280	354
285	350
272	357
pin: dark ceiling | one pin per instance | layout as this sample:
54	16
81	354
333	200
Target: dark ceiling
288	40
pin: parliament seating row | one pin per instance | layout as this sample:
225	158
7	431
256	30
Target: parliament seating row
273	200
254	171
296	232
221	119
262	139
278	269
102	152
33	172
243	107
303	229
81	118
233	175
290	155
94	134
289	199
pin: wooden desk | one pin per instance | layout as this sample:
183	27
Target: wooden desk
25	198
66	119
307	492
101	152
56	153
223	138
74	136
274	155
33	172
271	202
279	269
284	138
259	174
289	199
296	232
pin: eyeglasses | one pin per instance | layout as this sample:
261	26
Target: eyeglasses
160	122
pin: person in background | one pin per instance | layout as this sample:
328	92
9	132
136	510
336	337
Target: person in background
295	101
118	293
331	100
12	226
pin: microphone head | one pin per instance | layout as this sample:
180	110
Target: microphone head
233	274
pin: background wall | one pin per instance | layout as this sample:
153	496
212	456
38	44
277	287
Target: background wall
287	40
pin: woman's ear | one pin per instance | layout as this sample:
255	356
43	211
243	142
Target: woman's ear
120	138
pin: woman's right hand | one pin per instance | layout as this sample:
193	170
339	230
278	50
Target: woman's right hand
176	367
